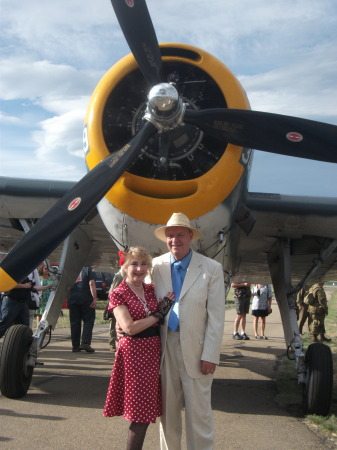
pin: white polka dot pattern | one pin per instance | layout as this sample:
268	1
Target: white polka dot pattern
134	388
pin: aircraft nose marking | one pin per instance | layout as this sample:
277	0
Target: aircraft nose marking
293	136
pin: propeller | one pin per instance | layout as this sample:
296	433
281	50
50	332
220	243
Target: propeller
264	131
136	24
68	212
273	133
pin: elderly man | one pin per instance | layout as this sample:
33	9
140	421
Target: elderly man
191	335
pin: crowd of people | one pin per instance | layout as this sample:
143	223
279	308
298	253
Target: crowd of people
166	327
261	307
312	307
27	299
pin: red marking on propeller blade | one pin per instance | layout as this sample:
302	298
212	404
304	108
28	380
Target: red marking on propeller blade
74	203
293	136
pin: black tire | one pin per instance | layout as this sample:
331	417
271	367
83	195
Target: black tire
15	375
317	393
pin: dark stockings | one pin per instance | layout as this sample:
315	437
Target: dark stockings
136	436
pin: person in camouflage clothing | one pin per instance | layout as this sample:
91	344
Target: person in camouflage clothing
318	309
303	305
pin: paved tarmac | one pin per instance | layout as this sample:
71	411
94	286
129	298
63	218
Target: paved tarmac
63	407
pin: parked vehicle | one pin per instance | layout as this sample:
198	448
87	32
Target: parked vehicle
103	283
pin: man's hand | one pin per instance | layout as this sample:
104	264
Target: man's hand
207	367
94	303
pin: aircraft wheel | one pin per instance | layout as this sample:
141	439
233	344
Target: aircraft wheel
15	375
317	392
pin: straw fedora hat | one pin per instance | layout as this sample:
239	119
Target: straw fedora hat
177	220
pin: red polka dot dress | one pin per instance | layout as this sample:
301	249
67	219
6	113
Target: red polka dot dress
134	388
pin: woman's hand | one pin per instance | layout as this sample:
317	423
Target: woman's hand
164	306
119	331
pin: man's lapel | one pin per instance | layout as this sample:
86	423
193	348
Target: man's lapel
164	270
192	274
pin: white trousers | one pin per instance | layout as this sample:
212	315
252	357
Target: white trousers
178	391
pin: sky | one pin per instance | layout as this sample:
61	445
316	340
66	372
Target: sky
53	54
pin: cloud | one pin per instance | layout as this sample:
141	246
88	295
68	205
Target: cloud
67	32
23	77
60	135
7	119
53	54
304	88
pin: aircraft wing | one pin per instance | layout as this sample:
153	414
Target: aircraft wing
28	200
308	223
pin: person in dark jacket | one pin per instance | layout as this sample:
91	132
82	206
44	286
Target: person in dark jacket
82	308
14	307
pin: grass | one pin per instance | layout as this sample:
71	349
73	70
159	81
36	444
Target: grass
230	299
63	321
289	394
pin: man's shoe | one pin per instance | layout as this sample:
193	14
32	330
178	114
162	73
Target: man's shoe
245	337
112	348
76	349
325	339
237	337
87	348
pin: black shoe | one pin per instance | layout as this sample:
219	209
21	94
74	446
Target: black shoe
325	339
87	348
237	337
76	349
245	337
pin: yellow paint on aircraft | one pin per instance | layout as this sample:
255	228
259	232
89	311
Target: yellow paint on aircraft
153	200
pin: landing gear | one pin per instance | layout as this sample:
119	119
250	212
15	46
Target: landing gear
15	374
317	392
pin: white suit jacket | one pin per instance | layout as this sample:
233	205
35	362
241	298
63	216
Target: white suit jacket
201	309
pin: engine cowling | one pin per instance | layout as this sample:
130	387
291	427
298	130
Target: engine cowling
183	168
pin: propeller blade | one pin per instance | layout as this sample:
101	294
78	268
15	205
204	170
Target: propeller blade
273	133
136	24
68	212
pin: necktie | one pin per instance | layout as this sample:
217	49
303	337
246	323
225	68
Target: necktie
173	322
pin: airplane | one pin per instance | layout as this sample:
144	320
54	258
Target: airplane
169	129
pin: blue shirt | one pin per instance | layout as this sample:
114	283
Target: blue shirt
184	263
173	322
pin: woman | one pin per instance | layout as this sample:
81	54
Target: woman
45	280
134	389
261	307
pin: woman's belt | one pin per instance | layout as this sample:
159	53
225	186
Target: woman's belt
149	332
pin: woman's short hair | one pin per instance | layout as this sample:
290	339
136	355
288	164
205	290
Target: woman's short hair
40	269
136	252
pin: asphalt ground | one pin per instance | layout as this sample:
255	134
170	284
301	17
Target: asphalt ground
63	407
